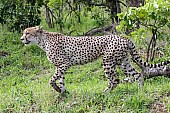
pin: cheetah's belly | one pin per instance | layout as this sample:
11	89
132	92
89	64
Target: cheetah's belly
84	56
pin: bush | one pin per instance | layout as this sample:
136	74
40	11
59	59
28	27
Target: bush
17	15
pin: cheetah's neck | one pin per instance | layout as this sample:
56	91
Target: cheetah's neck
42	42
48	38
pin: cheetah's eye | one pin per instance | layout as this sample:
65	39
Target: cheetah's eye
27	33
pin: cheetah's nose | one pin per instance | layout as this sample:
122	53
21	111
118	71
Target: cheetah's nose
21	39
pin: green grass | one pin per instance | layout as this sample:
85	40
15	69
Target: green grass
24	76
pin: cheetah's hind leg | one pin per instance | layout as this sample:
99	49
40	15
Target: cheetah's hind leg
130	72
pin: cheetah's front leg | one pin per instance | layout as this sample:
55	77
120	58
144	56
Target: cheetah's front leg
59	75
109	66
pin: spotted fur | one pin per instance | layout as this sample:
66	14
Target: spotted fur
65	51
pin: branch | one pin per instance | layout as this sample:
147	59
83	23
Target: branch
151	73
155	72
107	33
99	29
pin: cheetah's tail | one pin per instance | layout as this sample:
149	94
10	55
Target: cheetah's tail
137	59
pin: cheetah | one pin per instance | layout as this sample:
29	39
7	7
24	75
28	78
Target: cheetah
65	51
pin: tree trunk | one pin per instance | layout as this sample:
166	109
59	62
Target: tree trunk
48	17
114	7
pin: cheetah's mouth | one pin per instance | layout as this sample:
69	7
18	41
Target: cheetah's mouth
27	42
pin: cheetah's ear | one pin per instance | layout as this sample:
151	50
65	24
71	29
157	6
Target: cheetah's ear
39	28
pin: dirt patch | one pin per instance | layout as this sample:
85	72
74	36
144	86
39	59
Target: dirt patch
158	106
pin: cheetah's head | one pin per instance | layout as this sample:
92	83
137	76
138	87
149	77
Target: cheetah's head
31	35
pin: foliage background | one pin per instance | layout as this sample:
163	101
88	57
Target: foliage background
25	71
